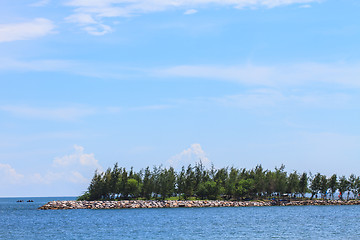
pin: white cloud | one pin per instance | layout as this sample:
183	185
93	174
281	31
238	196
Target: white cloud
88	69
76	168
291	74
242	73
36	28
40	3
190	11
77	177
38	65
252	99
78	158
89	24
9	174
47	178
270	75
98	30
51	177
99	9
69	168
81	18
260	98
151	107
191	155
67	114
73	113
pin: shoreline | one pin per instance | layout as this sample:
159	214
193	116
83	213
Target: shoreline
126	204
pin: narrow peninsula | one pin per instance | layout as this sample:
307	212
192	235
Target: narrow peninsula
197	186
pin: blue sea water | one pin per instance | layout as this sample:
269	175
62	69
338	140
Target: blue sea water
24	221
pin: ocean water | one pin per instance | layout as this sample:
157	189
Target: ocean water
24	221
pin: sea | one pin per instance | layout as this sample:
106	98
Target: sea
22	220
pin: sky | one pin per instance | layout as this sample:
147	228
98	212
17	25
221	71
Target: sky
88	83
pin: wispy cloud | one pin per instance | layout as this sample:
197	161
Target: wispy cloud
269	98
252	99
67	114
190	11
75	168
191	155
270	75
91	14
51	177
81	68
40	3
305	6
251	74
79	157
36	28
75	112
9	175
89	24
151	107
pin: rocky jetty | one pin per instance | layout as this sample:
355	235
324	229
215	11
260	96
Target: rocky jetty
187	204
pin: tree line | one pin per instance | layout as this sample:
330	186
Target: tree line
228	183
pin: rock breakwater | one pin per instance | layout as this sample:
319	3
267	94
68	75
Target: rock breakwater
187	204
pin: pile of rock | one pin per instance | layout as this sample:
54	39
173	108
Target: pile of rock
186	204
320	202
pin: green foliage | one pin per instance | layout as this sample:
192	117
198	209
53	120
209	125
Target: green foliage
333	185
303	184
212	189
354	185
200	183
315	185
84	197
323	186
132	187
293	183
344	185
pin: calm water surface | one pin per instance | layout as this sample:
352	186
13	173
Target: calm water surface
24	221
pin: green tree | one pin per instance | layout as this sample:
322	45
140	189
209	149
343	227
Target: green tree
292	183
95	188
323	186
333	185
315	185
121	184
201	176
343	186
114	177
244	188
352	185
189	182
357	185
148	184
181	182
231	182
156	180
303	184
270	183
280	180
259	176
166	182
202	191
212	189
132	187
221	178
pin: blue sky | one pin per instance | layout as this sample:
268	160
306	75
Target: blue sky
85	84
